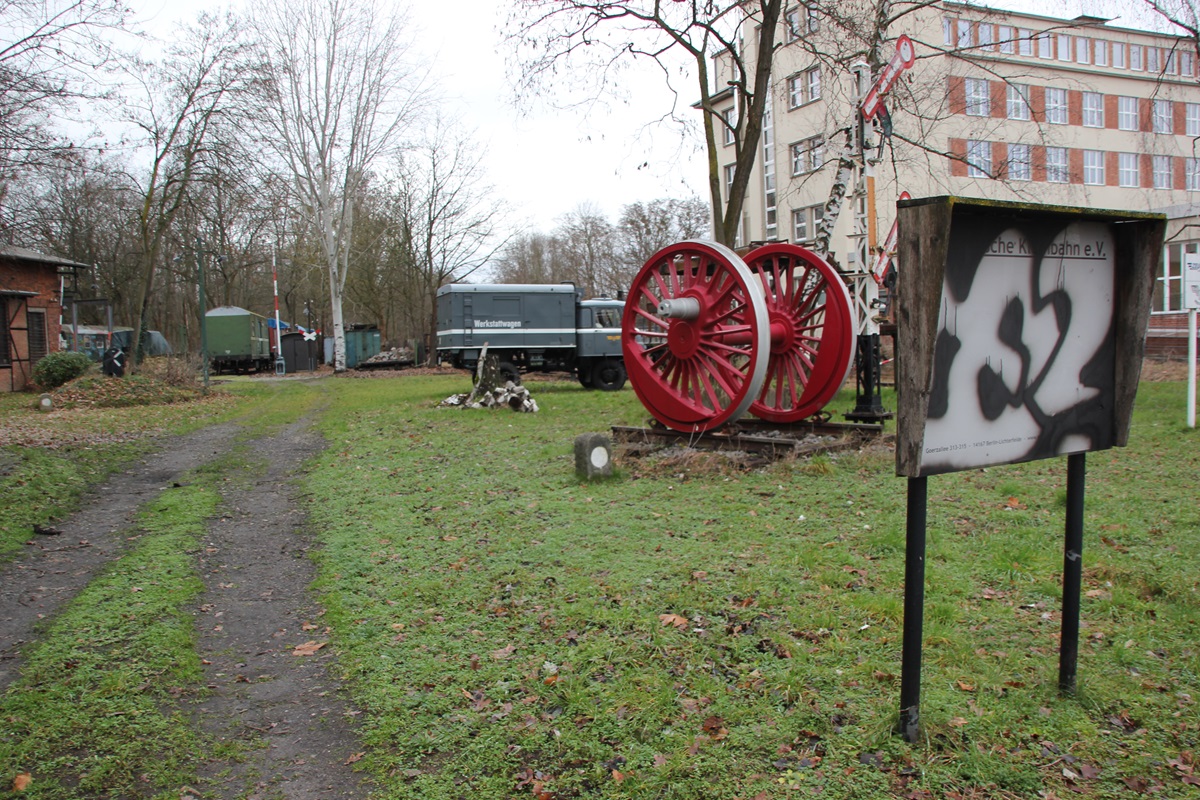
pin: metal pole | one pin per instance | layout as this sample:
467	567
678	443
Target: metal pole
203	310
1068	646
1191	388
914	610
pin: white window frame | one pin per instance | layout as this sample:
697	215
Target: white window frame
1135	57
1020	162
1187	64
1152	62
730	117
805	218
1129	172
1191	174
1064	48
979	159
730	171
1127	113
1045	47
1006	42
812	22
1164	172
1025	41
812	83
1162	114
947	32
1083	50
1056	111
1093	110
791	23
984	33
1058	165
808	155
1093	167
1100	52
966	34
1191	118
979	97
1118	55
1018	101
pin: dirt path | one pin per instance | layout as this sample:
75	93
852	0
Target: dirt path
286	709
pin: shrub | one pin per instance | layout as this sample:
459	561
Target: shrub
57	368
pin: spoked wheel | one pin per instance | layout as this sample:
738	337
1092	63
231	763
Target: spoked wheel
695	336
812	332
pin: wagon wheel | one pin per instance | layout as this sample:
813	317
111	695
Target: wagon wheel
812	332
694	336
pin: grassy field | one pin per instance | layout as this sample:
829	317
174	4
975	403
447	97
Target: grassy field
689	629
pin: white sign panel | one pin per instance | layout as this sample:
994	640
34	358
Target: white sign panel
1023	363
1191	280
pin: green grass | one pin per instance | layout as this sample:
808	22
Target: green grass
503	623
694	631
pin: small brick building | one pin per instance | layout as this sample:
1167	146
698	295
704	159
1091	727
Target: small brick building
30	311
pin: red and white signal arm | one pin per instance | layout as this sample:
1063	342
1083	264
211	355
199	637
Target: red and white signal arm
884	262
905	57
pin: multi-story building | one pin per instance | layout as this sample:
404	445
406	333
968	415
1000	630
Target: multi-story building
999	105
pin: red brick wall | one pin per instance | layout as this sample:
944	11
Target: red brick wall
28	277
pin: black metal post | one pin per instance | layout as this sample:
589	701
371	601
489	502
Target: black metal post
869	379
914	609
1068	645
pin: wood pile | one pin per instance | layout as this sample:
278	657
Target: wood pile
510	395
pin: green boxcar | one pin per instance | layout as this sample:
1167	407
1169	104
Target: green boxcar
238	340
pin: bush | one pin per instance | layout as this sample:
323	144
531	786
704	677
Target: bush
57	368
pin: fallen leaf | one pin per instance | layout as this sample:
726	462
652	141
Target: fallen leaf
350	759
966	687
21	782
504	652
308	626
673	619
308	648
958	722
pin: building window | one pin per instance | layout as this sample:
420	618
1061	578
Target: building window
1083	50
1093	109
1057	170
1118	53
808	155
730	170
39	343
1064	47
1101	53
804	87
792	26
1163	177
812	22
805	221
729	126
1093	167
985	36
795	90
1018	101
1191	174
965	39
1056	106
1187	64
1191	116
1128	174
979	159
979	99
1045	45
1152	59
1168	289
948	31
1127	113
768	152
1171	62
1135	57
1163	117
1020	166
1025	41
813	84
1006	39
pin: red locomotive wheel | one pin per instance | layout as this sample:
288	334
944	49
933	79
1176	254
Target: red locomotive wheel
695	336
812	332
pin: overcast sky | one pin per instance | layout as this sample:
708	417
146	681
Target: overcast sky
544	163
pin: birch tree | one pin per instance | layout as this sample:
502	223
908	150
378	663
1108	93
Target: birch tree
337	95
554	39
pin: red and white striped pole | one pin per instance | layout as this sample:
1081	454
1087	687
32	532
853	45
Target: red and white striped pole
278	329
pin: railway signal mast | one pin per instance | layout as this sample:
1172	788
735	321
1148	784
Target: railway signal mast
870	273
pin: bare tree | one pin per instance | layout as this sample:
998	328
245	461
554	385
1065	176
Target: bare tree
646	228
337	96
450	216
1183	14
48	51
174	107
553	38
